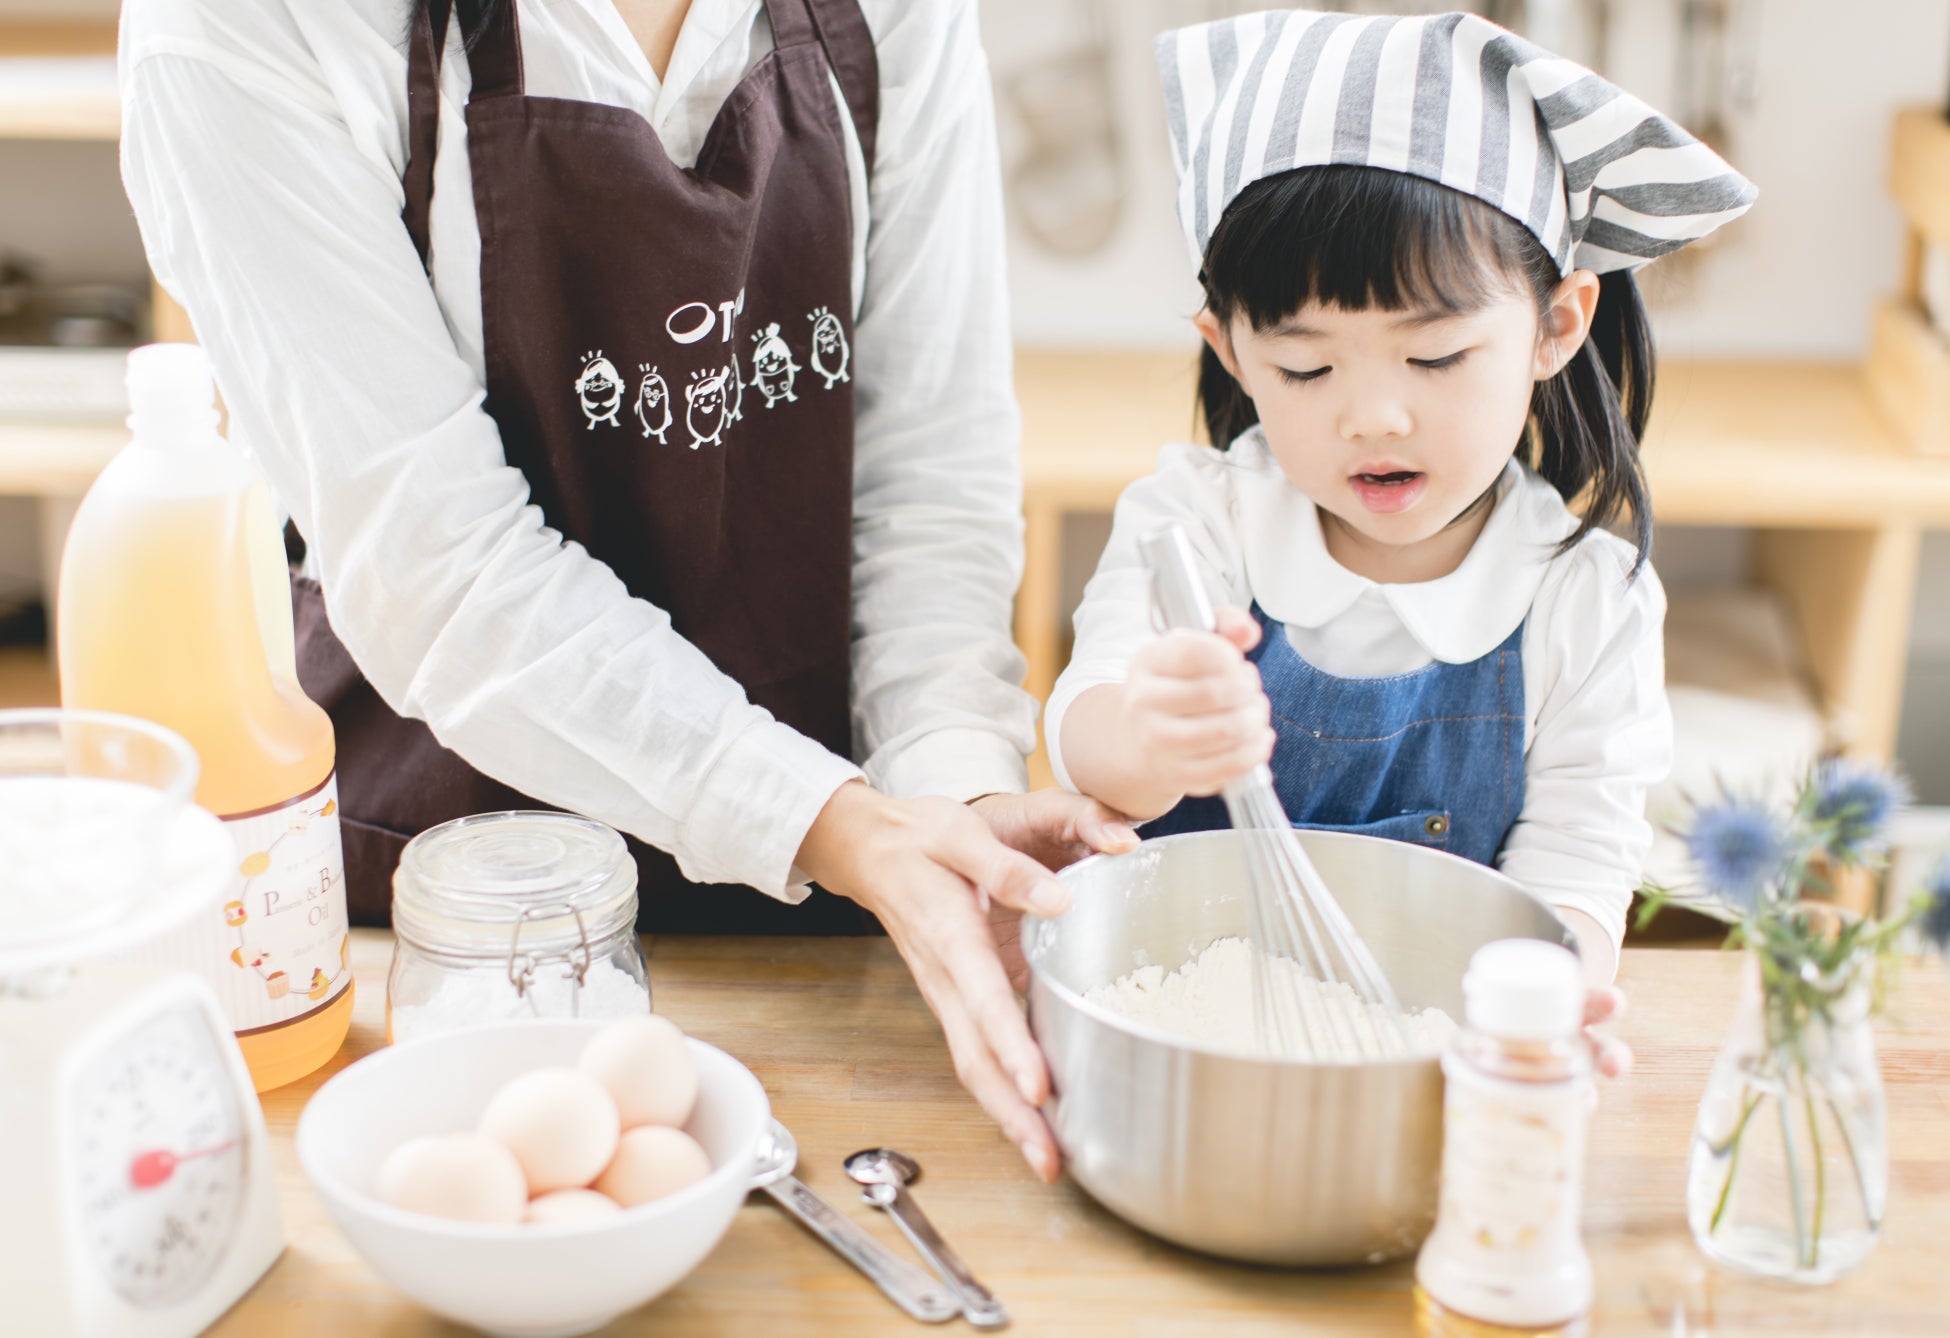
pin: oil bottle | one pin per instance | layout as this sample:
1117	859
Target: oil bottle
166	611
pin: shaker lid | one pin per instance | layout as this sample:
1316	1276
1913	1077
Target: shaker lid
1524	989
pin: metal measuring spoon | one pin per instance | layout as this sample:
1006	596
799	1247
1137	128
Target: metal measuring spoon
905	1285
885	1174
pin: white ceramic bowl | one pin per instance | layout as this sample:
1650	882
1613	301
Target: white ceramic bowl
531	1281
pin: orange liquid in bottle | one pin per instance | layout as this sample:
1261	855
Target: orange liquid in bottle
163	611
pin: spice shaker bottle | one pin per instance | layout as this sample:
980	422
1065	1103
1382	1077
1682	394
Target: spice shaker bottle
1507	1248
513	915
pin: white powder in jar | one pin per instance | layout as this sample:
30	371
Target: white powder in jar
1210	1000
466	998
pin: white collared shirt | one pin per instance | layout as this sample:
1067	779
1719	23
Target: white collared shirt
262	147
1597	731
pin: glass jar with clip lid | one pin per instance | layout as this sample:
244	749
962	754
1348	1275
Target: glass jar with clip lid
511	915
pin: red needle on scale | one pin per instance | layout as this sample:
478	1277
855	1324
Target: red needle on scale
150	1169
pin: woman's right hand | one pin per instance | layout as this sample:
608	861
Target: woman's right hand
928	869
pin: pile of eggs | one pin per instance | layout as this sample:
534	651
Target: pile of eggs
565	1145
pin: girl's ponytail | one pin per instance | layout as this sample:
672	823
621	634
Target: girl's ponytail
1587	420
1224	405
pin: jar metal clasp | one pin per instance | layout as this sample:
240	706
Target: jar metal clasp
521	965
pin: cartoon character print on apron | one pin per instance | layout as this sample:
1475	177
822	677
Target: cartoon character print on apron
1433	757
648	330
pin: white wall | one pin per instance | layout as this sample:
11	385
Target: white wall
1795	278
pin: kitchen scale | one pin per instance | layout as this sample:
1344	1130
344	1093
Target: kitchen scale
139	1196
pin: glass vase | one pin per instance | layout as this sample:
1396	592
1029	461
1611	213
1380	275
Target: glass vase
1789	1169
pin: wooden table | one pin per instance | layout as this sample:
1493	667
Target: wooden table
835	1030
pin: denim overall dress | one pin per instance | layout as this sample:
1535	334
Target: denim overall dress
1433	757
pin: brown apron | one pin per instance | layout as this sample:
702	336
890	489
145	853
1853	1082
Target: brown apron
668	359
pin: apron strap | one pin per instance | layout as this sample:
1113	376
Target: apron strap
495	62
495	57
839	28
426	44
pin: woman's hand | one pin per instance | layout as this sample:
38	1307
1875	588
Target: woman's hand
1190	715
930	869
1054	827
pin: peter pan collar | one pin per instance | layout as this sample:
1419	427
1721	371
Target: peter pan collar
1456	618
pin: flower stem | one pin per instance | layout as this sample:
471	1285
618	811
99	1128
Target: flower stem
1821	1172
1794	1181
1869	1213
1731	1150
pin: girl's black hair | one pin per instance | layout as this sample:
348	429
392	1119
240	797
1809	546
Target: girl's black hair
471	32
1364	237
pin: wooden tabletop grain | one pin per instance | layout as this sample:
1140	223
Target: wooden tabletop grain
851	1058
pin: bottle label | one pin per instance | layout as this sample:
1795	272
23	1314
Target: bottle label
1512	1171
281	932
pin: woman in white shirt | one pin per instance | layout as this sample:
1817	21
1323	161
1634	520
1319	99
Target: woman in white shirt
637	374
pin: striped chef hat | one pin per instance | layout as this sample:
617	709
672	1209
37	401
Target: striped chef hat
1601	179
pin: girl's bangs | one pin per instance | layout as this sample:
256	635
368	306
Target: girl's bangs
1359	238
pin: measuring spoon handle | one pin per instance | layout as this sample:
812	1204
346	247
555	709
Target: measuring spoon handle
902	1283
978	1304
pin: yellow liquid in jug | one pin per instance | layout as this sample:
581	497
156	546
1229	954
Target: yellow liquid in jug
163	605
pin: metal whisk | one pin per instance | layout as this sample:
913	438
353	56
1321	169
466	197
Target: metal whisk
1291	913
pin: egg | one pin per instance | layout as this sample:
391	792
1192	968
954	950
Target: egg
570	1207
652	1161
560	1123
646	1064
464	1176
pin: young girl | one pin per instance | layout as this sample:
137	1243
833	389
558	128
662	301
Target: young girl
1423	342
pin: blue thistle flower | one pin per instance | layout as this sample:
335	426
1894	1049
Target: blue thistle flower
1738	847
1935	920
1851	804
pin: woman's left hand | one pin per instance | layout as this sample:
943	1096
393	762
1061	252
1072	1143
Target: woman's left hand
1053	826
1604	1003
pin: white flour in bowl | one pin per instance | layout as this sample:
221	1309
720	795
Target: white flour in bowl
1209	1000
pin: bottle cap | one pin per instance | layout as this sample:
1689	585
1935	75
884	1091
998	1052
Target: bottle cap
1524	989
171	382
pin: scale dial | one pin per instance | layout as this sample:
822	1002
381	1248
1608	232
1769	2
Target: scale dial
159	1157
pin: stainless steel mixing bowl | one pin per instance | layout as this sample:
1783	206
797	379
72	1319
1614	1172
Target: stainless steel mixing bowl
1272	1162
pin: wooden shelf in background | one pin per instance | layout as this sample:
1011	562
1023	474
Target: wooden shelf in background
56	459
64	86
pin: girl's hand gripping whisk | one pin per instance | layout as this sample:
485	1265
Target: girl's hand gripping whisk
1318	991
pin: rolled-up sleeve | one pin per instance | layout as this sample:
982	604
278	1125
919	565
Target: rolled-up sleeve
937	530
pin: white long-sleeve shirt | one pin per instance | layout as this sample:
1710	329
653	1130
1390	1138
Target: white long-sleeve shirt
1597	728
263	145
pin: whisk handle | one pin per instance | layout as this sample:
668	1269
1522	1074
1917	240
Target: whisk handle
1243	787
1177	592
